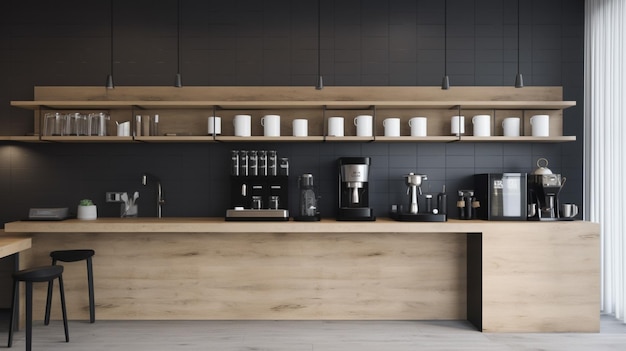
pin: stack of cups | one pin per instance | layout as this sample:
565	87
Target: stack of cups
335	127
214	125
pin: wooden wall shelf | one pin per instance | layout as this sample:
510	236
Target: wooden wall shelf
183	111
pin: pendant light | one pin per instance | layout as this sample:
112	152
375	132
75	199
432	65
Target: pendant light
178	81
519	80
445	82
320	79
109	82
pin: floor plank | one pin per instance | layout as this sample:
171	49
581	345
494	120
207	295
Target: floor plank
308	336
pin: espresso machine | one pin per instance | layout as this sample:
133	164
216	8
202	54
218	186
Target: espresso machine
543	193
354	189
429	212
258	186
543	196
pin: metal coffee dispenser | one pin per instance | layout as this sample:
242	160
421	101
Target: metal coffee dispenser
543	193
354	190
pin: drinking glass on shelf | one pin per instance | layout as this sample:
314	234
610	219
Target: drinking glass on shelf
53	124
76	124
98	123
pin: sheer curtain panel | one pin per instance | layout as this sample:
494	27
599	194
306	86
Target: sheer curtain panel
605	142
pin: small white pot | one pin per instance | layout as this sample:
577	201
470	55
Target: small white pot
87	212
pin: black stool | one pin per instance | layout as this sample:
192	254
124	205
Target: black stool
74	256
30	276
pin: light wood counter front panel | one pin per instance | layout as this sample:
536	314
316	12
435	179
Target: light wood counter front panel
501	276
263	275
552	284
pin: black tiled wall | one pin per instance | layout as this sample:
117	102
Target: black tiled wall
274	42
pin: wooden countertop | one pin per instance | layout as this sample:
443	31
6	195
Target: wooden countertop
219	225
11	244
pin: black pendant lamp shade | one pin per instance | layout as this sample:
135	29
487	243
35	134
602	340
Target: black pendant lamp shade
178	81
109	83
519	80
320	80
445	82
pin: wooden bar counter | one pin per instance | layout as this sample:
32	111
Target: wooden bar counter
501	276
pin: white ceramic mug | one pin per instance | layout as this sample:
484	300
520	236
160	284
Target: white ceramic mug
335	126
392	126
457	125
300	127
419	126
271	125
540	125
123	129
363	125
242	125
215	125
510	126
482	125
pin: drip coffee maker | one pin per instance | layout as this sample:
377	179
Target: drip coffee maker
354	189
543	193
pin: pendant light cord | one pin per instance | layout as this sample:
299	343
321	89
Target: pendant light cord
320	81
445	38
111	38
518	45
178	39
319	38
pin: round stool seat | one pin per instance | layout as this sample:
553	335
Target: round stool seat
39	274
71	255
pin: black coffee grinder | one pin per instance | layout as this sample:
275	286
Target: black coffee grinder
354	189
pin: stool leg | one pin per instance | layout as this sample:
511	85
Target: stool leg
62	293
92	306
46	320
48	303
13	308
29	315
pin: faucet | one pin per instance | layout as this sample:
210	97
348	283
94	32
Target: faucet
160	199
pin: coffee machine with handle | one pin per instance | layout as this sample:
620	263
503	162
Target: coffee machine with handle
413	212
543	193
354	190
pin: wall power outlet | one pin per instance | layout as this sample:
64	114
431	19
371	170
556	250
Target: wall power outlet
114	196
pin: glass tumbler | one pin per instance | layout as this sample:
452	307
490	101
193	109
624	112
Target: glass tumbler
76	124
98	123
53	124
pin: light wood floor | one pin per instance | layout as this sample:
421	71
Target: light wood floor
306	335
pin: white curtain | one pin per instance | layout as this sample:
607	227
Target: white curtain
605	142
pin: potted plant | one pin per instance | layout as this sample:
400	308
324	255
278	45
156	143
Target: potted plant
86	210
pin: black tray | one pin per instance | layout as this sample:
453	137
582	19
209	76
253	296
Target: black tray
418	217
